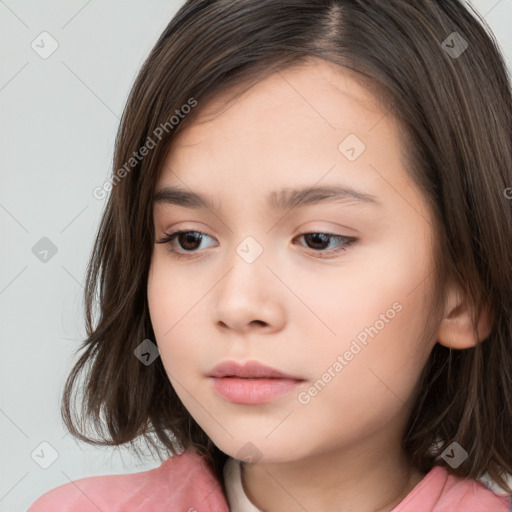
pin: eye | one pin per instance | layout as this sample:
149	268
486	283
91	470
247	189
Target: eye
189	240
318	241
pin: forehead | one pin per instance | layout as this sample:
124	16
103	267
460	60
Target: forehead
315	91
290	128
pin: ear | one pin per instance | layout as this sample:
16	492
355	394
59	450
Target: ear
456	328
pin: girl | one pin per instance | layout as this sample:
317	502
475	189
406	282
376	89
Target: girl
303	269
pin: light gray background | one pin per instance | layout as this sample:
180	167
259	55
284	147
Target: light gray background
59	119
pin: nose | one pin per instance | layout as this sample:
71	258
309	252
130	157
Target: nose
249	297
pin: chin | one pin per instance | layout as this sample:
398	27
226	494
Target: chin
255	450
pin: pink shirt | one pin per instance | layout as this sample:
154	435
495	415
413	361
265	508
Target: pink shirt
186	483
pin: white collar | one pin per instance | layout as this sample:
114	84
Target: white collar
237	499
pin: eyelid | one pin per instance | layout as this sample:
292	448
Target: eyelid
332	228
301	230
347	242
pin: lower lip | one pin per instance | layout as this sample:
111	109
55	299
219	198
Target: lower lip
252	391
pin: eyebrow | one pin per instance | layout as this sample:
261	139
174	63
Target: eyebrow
284	199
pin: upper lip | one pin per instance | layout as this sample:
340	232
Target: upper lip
249	369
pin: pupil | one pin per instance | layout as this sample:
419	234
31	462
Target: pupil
189	238
318	238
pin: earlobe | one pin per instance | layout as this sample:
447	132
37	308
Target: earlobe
456	328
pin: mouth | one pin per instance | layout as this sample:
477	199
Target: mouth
252	383
249	370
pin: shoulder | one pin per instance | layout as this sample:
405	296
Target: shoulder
185	482
466	494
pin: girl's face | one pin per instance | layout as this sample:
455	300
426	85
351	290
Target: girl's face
331	290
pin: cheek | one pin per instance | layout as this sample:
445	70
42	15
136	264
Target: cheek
381	297
377	319
382	358
178	315
369	377
165	301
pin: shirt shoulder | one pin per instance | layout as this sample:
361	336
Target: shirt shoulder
182	482
466	494
440	491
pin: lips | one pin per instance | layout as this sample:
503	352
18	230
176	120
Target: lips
251	383
249	370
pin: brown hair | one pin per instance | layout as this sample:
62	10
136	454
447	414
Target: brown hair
455	112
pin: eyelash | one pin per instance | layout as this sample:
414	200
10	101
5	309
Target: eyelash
169	238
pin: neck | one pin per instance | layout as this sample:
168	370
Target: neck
373	476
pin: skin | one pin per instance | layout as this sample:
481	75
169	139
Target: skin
291	308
